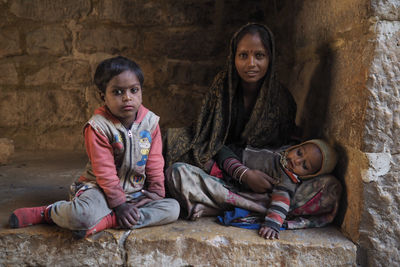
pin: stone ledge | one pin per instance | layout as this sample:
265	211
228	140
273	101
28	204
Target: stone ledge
184	243
39	178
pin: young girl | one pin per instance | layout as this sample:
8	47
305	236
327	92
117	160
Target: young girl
123	184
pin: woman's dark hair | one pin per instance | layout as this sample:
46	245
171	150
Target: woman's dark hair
254	29
109	68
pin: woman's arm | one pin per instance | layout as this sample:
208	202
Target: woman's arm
257	180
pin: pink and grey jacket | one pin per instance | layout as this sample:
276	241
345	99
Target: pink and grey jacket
123	161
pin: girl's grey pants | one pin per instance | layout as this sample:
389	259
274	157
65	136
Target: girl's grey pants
86	210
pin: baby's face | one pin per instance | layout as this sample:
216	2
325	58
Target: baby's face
304	160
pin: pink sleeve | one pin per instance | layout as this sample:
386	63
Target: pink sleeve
101	156
155	165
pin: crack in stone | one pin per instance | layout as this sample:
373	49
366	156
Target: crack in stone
121	245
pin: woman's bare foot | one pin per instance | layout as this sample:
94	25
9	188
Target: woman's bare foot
200	210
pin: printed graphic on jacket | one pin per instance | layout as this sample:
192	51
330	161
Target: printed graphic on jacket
144	144
118	143
137	181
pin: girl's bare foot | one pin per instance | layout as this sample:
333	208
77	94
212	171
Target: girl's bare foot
200	210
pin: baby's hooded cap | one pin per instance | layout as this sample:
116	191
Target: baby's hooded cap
329	157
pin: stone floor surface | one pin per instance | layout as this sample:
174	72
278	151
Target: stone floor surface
40	178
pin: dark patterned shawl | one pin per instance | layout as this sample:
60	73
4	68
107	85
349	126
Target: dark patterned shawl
271	122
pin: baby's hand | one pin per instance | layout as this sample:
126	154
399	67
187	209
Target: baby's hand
268	233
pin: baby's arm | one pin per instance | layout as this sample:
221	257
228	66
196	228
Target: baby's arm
276	214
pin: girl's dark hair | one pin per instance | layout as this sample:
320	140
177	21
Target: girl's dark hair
254	29
109	68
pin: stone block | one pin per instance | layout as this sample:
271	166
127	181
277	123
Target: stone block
173	107
193	12
9	42
106	39
6	150
380	221
188	44
138	12
52	40
64	72
41	110
192	72
154	71
51	246
205	243
383	111
386	9
8	74
50	10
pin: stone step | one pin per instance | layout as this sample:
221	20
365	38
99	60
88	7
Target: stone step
184	243
38	179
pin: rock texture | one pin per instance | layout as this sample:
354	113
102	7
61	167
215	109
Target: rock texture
379	231
201	243
6	150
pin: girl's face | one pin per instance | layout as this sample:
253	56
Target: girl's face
123	97
251	59
304	160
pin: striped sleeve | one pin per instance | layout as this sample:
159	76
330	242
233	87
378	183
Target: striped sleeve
279	208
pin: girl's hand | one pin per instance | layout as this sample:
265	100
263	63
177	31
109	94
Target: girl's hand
258	181
148	197
268	233
127	215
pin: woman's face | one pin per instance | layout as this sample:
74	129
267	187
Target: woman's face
251	59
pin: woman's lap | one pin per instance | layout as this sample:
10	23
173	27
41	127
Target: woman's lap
315	202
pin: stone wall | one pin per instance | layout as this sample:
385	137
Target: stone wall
379	229
49	51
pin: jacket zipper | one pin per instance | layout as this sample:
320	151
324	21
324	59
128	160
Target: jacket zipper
130	158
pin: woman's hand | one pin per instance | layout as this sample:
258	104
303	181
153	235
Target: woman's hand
268	233
148	197
258	181
127	215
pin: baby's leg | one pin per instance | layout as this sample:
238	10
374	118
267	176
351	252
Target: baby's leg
158	212
82	212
